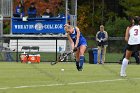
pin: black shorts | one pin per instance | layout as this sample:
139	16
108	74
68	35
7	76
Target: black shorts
133	47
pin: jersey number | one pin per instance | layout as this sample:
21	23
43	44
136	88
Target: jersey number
135	32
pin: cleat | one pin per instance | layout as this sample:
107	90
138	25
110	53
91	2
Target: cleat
77	65
123	75
77	68
80	69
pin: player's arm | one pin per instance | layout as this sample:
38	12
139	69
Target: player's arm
127	34
106	36
97	39
71	41
77	37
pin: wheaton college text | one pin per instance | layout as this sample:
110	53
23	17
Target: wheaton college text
38	26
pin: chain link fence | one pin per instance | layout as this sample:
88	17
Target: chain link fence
114	51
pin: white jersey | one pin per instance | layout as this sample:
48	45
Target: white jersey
134	35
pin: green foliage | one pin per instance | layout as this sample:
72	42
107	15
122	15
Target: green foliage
89	19
7	30
132	7
116	27
6	27
84	19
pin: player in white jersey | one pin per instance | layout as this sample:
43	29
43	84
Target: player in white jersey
132	36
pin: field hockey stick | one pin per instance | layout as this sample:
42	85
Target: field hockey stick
62	58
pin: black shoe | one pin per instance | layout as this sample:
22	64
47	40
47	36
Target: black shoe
80	69
77	66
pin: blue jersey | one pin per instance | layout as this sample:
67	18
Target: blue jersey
101	35
82	40
20	10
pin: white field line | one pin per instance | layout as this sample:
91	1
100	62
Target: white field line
74	83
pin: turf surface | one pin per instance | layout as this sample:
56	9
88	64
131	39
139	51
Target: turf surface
44	78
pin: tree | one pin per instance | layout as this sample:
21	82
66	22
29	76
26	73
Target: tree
116	26
131	7
90	16
84	20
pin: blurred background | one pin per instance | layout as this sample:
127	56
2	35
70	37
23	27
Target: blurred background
90	14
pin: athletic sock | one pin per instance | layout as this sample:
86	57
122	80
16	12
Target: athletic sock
77	63
124	65
81	61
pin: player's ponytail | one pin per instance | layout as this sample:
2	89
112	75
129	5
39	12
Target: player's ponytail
137	20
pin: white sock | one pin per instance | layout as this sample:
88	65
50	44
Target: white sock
124	65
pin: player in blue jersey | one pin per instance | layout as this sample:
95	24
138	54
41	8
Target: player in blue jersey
78	44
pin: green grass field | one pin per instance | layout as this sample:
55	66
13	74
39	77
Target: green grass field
44	78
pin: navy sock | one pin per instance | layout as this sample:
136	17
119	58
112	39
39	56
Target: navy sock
77	63
81	61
